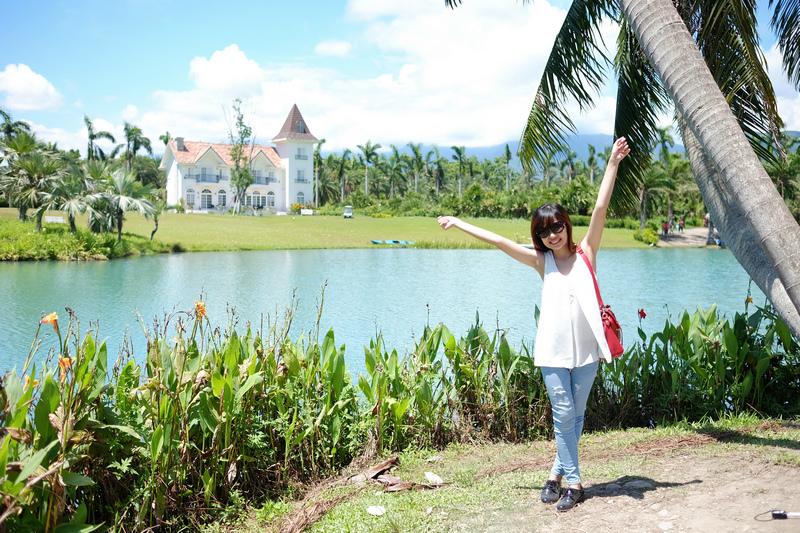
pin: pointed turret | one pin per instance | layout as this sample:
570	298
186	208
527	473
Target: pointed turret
295	128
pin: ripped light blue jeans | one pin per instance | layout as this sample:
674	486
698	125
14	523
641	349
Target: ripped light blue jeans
568	389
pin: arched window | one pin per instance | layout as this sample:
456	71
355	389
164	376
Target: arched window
189	197
205	199
271	199
222	198
301	198
258	201
301	128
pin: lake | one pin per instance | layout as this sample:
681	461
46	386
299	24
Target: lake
394	291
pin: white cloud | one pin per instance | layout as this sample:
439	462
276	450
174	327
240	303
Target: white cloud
26	90
423	73
228	72
333	48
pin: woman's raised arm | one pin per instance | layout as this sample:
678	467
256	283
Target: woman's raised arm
527	256
591	243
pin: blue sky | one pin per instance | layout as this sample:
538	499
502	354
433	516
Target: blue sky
389	71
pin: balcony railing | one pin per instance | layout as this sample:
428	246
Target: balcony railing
207	178
301	180
300	156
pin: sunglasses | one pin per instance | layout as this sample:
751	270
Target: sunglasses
555	229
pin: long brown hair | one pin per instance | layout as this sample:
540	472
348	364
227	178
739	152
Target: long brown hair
546	215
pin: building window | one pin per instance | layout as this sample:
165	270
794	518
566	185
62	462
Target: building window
301	154
301	128
258	200
271	199
258	177
222	198
189	197
301	198
205	199
271	177
301	177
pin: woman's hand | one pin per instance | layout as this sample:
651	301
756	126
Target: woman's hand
448	222
619	150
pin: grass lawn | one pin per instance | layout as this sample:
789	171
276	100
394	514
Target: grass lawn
212	232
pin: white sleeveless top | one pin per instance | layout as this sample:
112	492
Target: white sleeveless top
570	330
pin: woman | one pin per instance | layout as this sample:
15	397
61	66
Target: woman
569	337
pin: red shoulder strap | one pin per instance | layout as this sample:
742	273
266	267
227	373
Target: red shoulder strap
594	278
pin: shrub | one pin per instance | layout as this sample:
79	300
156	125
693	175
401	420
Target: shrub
646	235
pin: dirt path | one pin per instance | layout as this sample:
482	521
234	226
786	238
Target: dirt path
692	237
683	484
695	482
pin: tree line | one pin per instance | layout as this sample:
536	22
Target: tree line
405	180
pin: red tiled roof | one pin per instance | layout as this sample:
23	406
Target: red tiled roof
195	150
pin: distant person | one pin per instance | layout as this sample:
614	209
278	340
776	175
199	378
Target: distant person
706	220
569	339
680	225
665	228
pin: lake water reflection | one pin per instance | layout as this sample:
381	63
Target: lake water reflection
395	291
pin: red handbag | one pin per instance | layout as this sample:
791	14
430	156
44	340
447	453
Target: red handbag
611	326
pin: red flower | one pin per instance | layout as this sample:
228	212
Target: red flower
642	314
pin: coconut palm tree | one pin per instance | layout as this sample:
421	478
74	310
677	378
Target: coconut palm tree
317	166
134	141
11	127
507	158
370	155
417	163
165	138
660	44
92	150
460	157
664	142
396	167
340	168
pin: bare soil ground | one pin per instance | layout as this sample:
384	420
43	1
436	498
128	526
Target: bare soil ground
719	482
680	485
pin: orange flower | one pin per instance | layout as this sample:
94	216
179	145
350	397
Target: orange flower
199	309
28	382
64	365
749	300
52	318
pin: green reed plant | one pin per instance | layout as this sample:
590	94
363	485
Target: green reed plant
702	366
216	416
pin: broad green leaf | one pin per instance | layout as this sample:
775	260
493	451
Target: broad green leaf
76	480
36	461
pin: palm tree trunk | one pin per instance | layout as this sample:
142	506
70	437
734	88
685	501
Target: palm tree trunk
676	59
642	210
120	214
732	227
72	228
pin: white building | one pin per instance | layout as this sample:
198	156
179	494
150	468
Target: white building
198	173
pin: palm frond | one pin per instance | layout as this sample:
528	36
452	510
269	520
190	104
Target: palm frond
726	34
575	71
640	99
786	24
